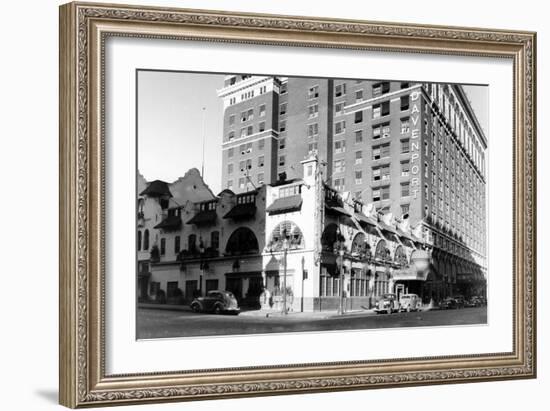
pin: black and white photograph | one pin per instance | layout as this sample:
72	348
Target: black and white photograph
277	204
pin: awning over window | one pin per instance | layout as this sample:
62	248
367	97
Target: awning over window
384	227
204	217
242	211
338	210
364	219
172	222
285	205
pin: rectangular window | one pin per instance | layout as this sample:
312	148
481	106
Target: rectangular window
177	244
380	88
162	246
282	143
358	157
241	182
405	168
340	146
282	109
405	125
376	110
230	184
313	92
261	144
340	90
281	160
358	136
385	108
405	189
386	130
230	152
339	184
261	127
289	191
339	109
312	129
262	110
313	110
260	178
382	193
282	126
283	88
405	146
230	169
340	127
261	161
339	166
381	173
358	177
312	147
405	209
405	103
358	117
358	96
382	151
232	119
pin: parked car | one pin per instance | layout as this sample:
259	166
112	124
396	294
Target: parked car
217	302
409	302
460	301
448	303
387	304
476	301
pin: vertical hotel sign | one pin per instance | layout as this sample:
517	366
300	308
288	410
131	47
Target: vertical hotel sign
415	143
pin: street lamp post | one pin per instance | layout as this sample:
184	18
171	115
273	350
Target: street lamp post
285	252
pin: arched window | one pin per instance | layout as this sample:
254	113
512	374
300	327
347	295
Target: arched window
382	252
329	237
139	240
288	230
401	257
146	240
242	241
359	245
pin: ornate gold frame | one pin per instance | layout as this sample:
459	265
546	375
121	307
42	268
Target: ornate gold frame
83	29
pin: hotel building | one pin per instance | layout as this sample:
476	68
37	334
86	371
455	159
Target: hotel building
415	151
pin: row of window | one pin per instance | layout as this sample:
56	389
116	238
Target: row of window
244	183
143	242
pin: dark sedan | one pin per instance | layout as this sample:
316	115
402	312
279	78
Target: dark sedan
448	303
217	302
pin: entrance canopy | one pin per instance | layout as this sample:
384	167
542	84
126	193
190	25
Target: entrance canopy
410	273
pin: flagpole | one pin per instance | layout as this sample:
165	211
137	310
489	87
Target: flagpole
203	139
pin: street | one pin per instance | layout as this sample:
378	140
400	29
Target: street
152	323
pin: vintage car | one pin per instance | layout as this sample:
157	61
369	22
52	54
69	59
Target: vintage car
217	302
477	301
460	301
387	304
448	303
409	302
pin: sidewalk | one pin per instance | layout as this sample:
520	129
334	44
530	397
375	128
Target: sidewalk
169	307
302	315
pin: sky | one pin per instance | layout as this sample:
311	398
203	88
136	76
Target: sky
171	129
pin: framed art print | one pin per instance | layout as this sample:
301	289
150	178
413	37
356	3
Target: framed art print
259	204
